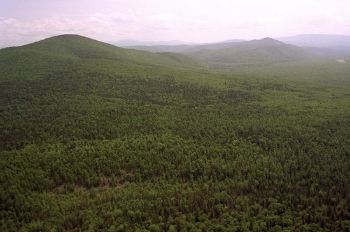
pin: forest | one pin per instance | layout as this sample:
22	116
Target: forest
92	141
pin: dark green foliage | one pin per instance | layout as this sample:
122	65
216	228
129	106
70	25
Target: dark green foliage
95	144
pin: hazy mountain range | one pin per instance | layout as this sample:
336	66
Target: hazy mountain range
321	45
267	50
313	44
302	40
255	51
126	43
314	40
130	42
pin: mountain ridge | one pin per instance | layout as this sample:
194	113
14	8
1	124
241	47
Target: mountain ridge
237	51
255	51
317	45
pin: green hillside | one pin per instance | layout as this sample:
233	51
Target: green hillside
99	138
59	52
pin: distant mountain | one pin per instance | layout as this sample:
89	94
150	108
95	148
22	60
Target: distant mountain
183	48
129	43
164	48
256	51
236	51
321	45
317	40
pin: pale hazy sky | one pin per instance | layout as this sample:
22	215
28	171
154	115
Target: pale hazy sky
25	21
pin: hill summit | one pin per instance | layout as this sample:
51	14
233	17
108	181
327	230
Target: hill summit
68	47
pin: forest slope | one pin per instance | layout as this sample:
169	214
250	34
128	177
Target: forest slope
93	138
69	50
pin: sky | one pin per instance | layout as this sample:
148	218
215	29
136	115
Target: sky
201	21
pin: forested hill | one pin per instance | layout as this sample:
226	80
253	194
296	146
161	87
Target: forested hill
59	51
99	138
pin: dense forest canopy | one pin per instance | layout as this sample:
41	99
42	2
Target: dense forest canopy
95	137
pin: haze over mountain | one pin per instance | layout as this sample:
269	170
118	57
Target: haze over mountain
317	40
129	43
164	48
23	22
236	51
266	50
309	45
321	45
185	47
